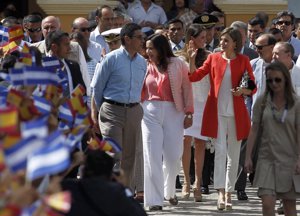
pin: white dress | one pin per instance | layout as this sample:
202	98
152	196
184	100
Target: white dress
200	93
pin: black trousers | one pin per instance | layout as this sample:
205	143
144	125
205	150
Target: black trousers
242	178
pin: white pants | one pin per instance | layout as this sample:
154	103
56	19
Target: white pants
162	130
226	146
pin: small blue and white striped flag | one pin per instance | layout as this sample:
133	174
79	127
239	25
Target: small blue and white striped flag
16	156
51	159
42	104
38	75
64	112
4	36
51	63
37	127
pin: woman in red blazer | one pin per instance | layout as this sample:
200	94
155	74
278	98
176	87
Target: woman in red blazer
225	115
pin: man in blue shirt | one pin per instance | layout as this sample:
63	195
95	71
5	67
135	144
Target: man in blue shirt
117	86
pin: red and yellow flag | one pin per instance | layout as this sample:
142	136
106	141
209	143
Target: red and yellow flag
78	91
15	33
9	120
10	47
14	97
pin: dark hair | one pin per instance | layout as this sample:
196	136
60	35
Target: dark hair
8	62
10	21
32	18
81	40
289	91
161	44
271	39
263	16
97	163
193	30
286	13
99	10
128	30
54	37
274	31
172	21
257	21
236	36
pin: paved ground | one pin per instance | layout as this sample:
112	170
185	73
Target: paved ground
208	206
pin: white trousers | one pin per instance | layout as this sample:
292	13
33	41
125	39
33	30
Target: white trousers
226	147
162	130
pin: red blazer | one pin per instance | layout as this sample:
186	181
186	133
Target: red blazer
215	66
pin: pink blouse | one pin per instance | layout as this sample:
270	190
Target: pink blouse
157	85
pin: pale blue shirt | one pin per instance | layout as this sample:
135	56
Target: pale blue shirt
94	51
98	38
119	78
155	14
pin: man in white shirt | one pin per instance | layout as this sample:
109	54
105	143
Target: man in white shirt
104	18
284	53
148	15
264	46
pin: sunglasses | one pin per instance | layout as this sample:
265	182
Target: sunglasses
89	29
260	47
276	80
287	23
34	29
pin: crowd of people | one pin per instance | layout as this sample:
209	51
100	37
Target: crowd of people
107	114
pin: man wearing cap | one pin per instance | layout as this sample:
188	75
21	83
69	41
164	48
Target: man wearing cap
208	21
112	38
32	28
94	50
117	85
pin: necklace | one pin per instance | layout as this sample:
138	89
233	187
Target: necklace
283	116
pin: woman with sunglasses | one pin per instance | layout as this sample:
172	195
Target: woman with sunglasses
225	116
277	114
195	37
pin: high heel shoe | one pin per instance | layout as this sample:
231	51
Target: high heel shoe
221	200
185	193
220	205
197	194
228	202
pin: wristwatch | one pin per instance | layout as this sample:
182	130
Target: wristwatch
189	116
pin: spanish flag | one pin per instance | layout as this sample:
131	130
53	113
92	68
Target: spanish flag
77	105
78	91
10	47
11	139
15	97
15	33
9	120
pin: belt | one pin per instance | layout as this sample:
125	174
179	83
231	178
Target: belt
129	105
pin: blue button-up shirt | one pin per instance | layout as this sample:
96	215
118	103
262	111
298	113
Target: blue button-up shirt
119	78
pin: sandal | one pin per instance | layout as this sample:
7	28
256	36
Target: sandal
197	194
185	191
